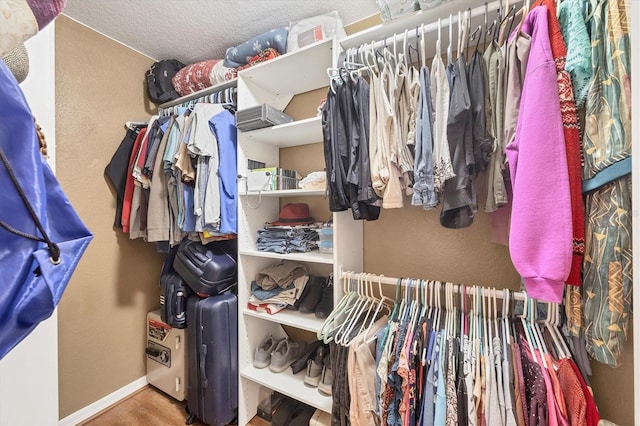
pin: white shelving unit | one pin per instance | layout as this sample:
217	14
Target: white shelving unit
276	82
288	384
296	133
285	193
295	319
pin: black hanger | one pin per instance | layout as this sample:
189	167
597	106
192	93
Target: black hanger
472	37
416	48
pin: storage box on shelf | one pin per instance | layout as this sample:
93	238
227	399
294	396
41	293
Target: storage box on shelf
276	82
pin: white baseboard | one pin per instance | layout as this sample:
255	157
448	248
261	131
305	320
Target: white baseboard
92	409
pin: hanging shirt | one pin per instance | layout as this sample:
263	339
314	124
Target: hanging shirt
541	228
496	189
481	144
128	191
388	125
459	200
442	167
575	400
608	278
203	143
223	126
424	193
158	219
362	198
574	32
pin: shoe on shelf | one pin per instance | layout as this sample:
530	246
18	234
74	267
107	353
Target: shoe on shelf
326	380
284	411
262	355
315	365
301	363
312	294
301	416
285	354
325	306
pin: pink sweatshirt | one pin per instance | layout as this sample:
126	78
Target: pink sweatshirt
541	227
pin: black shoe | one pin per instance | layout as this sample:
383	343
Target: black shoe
301	363
302	416
325	306
312	294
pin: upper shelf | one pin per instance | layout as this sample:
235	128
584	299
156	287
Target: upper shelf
300	132
428	17
286	193
293	73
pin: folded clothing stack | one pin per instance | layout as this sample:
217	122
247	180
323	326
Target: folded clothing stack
277	286
288	239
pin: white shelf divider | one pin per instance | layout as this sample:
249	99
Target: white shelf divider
300	132
290	385
286	193
298	72
291	318
312	257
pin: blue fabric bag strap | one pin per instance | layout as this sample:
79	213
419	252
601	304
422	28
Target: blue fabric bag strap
54	250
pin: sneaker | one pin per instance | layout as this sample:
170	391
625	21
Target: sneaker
325	306
326	381
285	354
262	356
315	365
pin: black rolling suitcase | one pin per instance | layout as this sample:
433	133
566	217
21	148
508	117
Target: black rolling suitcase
174	293
208	269
212	333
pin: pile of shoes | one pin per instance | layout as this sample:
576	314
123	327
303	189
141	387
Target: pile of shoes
317	297
278	354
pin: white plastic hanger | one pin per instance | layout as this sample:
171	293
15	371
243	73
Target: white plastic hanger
383	303
333	321
354	312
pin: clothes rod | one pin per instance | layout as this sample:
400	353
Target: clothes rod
471	290
416	21
199	94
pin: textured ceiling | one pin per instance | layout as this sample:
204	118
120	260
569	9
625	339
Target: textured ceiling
192	31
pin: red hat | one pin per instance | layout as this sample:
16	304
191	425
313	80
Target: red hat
293	214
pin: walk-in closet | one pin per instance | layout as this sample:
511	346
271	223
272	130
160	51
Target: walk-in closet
416	212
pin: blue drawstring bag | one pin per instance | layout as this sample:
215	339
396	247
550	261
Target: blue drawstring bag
41	236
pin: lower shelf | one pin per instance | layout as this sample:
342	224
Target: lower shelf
291	318
289	384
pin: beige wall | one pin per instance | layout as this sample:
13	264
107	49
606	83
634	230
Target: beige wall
99	86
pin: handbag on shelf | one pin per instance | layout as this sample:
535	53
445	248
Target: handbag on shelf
41	236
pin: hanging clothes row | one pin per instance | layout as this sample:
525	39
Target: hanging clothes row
441	354
466	136
177	176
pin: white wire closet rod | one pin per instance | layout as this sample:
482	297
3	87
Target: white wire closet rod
221	87
393	31
470	290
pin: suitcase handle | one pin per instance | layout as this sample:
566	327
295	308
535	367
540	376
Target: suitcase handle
179	305
203	366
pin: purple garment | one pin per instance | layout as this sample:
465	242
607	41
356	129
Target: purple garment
46	11
540	240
